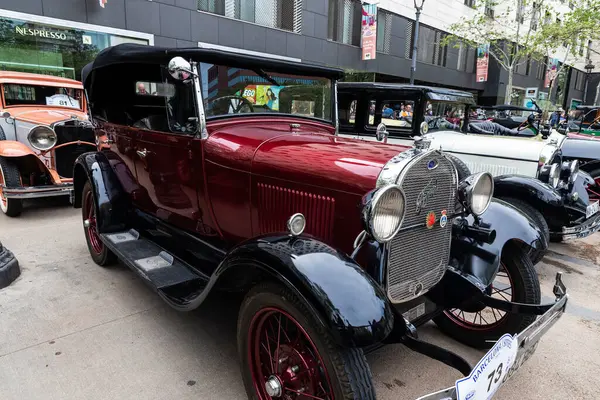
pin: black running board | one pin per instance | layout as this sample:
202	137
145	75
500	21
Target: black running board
161	270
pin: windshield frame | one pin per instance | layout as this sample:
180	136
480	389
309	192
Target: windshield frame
264	73
465	119
82	100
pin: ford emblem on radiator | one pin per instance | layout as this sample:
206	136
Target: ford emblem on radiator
432	164
425	194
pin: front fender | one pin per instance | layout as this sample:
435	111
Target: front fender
110	200
348	302
531	190
11	148
583	150
482	259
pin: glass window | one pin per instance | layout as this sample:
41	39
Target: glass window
227	90
51	50
394	113
281	14
344	24
347	109
441	115
384	31
17	94
164	104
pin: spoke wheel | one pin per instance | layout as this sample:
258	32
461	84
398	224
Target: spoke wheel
98	251
594	193
286	361
287	353
516	281
488	318
90	224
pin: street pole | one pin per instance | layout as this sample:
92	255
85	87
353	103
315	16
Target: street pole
413	68
588	68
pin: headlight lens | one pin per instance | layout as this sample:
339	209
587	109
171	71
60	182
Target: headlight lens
554	176
574	167
481	193
386	213
42	138
476	191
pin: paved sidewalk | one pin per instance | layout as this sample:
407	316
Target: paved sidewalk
72	330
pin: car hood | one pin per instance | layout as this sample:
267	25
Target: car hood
324	160
45	116
527	149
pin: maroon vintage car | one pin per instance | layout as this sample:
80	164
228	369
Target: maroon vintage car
224	171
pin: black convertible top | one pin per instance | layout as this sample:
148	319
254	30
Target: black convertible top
433	93
506	107
141	54
587	108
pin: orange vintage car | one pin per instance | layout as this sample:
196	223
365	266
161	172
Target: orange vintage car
43	128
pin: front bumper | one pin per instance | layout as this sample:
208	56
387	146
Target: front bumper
527	341
582	230
34	192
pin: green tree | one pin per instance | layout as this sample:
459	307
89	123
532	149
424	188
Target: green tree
520	30
566	38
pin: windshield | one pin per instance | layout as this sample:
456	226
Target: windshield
227	90
18	94
444	116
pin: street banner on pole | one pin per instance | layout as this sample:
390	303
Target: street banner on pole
483	61
103	3
551	72
369	31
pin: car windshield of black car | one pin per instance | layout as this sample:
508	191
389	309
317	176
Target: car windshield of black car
441	115
228	90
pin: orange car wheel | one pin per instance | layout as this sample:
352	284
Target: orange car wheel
9	177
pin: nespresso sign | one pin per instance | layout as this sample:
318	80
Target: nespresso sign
40	32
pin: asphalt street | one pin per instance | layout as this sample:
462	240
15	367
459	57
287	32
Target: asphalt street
72	330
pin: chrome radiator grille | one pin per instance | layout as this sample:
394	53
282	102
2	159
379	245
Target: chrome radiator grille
418	256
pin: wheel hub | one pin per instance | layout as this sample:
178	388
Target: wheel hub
274	387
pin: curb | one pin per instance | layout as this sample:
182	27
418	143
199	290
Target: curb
9	267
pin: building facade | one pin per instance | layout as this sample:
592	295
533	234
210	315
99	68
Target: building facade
60	36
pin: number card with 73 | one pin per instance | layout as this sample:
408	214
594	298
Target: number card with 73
490	372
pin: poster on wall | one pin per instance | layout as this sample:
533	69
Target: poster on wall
263	95
551	72
102	3
483	61
369	31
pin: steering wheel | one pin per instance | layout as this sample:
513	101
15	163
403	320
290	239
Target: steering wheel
230	105
527	123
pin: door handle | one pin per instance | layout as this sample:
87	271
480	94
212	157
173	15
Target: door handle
142	153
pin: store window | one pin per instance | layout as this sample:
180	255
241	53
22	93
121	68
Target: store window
51	49
280	14
345	21
466	58
384	31
429	44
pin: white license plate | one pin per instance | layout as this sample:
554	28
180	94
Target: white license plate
490	372
591	209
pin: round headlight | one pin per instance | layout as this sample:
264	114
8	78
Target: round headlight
574	167
554	176
387	213
42	138
481	191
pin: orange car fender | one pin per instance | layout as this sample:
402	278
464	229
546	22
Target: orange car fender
28	158
11	148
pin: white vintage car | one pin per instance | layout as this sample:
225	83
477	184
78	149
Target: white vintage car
527	165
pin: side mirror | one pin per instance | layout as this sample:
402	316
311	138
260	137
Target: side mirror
4	114
381	133
179	68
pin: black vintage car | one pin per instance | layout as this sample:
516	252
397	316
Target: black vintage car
529	172
338	245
